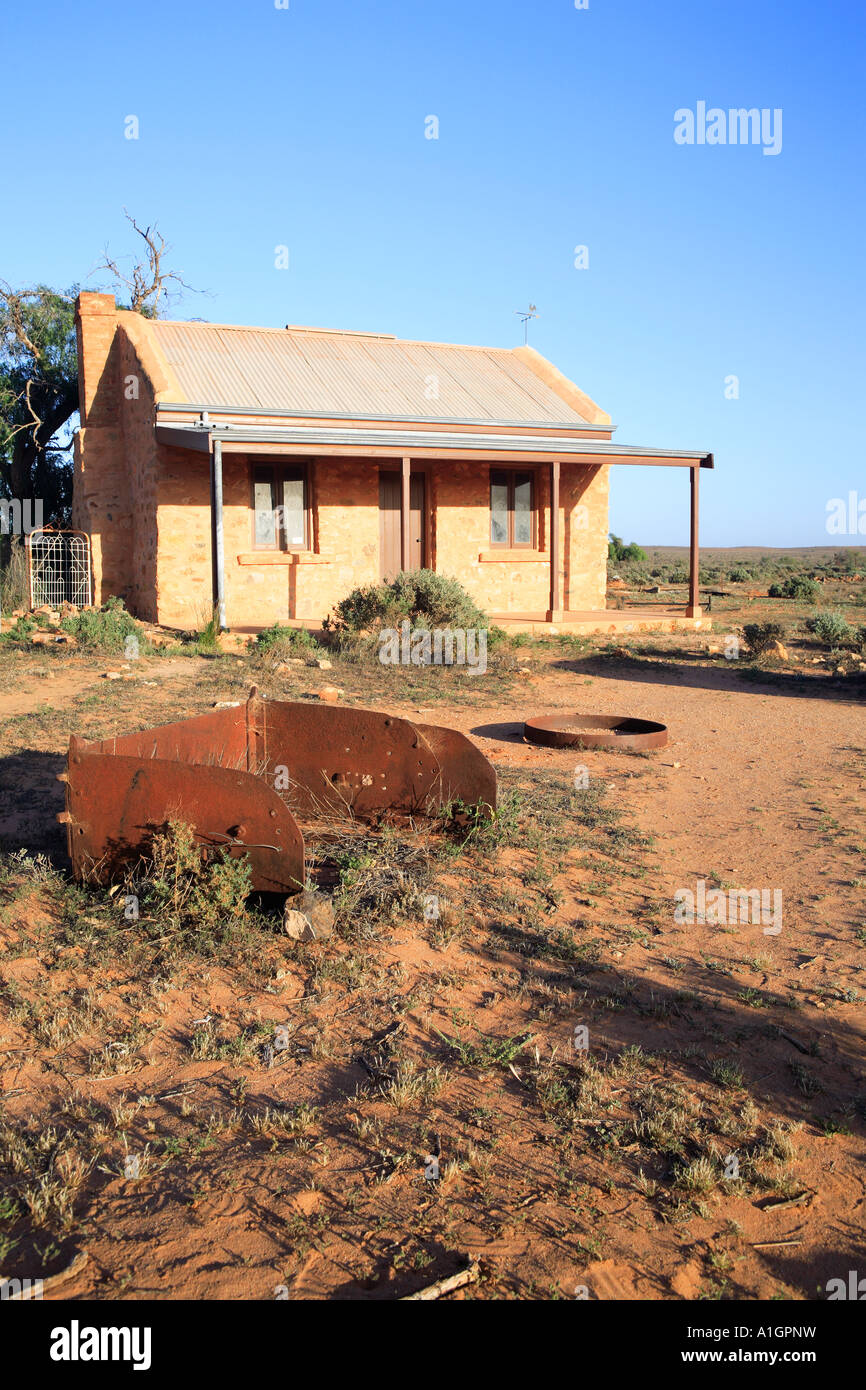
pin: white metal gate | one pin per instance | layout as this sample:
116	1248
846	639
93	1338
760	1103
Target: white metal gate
59	568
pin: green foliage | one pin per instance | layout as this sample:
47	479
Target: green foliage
618	553
798	587
832	629
22	629
208	638
740	575
191	903
760	637
277	642
38	376
425	598
104	629
487	1051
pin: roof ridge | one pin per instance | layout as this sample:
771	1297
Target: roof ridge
326	333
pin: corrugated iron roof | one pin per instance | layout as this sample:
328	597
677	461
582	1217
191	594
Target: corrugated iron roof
366	375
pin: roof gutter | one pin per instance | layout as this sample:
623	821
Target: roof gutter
186	408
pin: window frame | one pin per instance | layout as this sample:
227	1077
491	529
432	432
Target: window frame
508	477
280	473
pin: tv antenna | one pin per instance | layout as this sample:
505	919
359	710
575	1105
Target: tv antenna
525	316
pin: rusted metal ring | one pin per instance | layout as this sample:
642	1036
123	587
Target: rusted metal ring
596	731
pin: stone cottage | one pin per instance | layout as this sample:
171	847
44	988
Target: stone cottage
267	472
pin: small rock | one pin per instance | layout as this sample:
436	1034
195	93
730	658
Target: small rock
330	693
323	664
226	704
296	926
316	909
780	650
112	675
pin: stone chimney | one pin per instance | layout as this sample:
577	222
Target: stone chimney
95	326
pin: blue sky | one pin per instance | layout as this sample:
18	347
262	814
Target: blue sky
305	127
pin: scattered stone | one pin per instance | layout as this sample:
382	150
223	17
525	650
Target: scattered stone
780	650
323	664
315	909
331	693
296	926
226	704
112	675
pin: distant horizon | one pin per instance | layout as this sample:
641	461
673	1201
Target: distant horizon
765	549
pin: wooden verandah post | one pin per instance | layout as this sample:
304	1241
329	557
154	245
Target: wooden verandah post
405	515
554	613
693	609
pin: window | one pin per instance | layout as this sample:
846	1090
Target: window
512	509
281	508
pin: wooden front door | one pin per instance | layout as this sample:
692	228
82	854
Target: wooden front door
389	524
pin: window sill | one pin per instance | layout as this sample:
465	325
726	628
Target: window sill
526	557
283	557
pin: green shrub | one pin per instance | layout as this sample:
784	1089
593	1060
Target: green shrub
22	629
192	903
740	575
426	599
277	642
760	637
799	587
831	629
209	637
104	629
618	553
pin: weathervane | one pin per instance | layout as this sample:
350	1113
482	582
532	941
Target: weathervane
525	316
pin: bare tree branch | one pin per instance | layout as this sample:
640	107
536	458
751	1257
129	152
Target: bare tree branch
147	281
